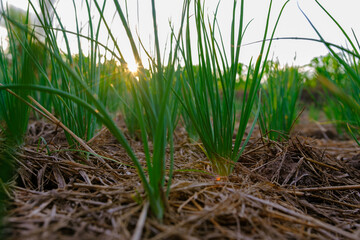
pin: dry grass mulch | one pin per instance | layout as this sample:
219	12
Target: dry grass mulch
304	188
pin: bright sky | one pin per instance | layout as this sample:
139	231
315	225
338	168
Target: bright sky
292	24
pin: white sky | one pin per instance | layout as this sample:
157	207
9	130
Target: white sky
292	23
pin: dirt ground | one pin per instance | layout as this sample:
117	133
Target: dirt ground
304	188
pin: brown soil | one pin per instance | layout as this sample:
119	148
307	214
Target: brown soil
305	188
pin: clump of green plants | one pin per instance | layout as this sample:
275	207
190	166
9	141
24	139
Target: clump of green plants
156	111
16	67
80	121
339	74
75	86
279	104
208	96
122	90
329	67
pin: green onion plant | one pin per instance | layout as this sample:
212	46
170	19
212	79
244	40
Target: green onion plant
75	117
329	67
208	96
122	89
279	103
346	88
156	111
15	68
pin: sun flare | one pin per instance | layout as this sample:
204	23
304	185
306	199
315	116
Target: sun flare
132	67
